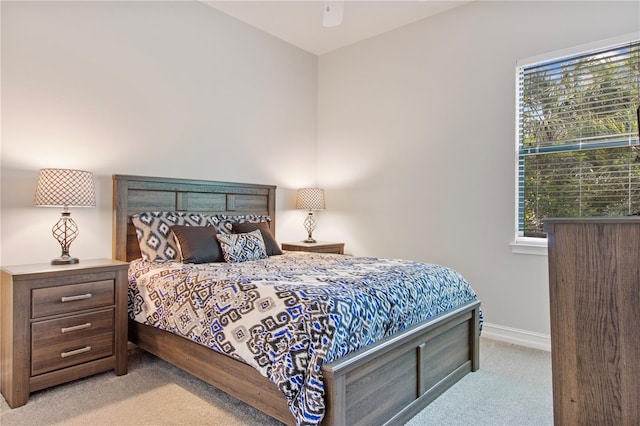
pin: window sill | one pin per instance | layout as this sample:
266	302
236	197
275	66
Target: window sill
535	246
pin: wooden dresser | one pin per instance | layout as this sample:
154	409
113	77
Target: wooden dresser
594	291
60	323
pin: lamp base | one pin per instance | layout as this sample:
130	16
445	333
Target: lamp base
65	231
310	225
65	260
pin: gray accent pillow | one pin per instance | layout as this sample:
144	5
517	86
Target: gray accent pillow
197	244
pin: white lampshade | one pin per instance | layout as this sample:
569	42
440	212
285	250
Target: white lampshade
65	188
310	199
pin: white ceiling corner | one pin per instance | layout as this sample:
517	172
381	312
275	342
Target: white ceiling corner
300	22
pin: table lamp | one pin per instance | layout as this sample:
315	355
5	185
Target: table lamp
65	188
310	199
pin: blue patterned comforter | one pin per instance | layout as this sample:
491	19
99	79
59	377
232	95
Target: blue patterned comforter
288	315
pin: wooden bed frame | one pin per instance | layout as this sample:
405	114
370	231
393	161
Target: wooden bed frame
387	382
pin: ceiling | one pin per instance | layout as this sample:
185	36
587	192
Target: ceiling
300	22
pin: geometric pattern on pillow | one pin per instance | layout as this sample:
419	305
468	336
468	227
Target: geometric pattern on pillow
224	223
242	247
153	229
273	248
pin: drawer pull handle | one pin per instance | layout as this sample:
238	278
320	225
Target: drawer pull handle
75	328
75	352
78	297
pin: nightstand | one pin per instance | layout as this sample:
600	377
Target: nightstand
59	323
317	247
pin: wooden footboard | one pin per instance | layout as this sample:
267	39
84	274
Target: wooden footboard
391	381
388	382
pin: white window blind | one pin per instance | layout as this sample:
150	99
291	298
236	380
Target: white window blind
578	152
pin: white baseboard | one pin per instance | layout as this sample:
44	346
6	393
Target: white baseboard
516	336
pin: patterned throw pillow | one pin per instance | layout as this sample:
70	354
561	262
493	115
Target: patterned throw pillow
272	246
242	247
153	230
224	223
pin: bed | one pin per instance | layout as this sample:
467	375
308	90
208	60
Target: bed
388	381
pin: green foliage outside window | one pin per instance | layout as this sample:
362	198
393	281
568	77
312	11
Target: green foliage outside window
578	137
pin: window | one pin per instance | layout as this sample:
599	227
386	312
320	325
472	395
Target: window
578	152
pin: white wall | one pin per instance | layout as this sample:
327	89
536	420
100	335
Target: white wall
416	141
413	130
172	89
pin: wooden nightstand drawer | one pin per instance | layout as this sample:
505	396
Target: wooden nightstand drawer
67	341
71	298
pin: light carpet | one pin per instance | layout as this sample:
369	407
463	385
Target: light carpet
512	387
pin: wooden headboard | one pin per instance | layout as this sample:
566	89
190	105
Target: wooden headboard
135	194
